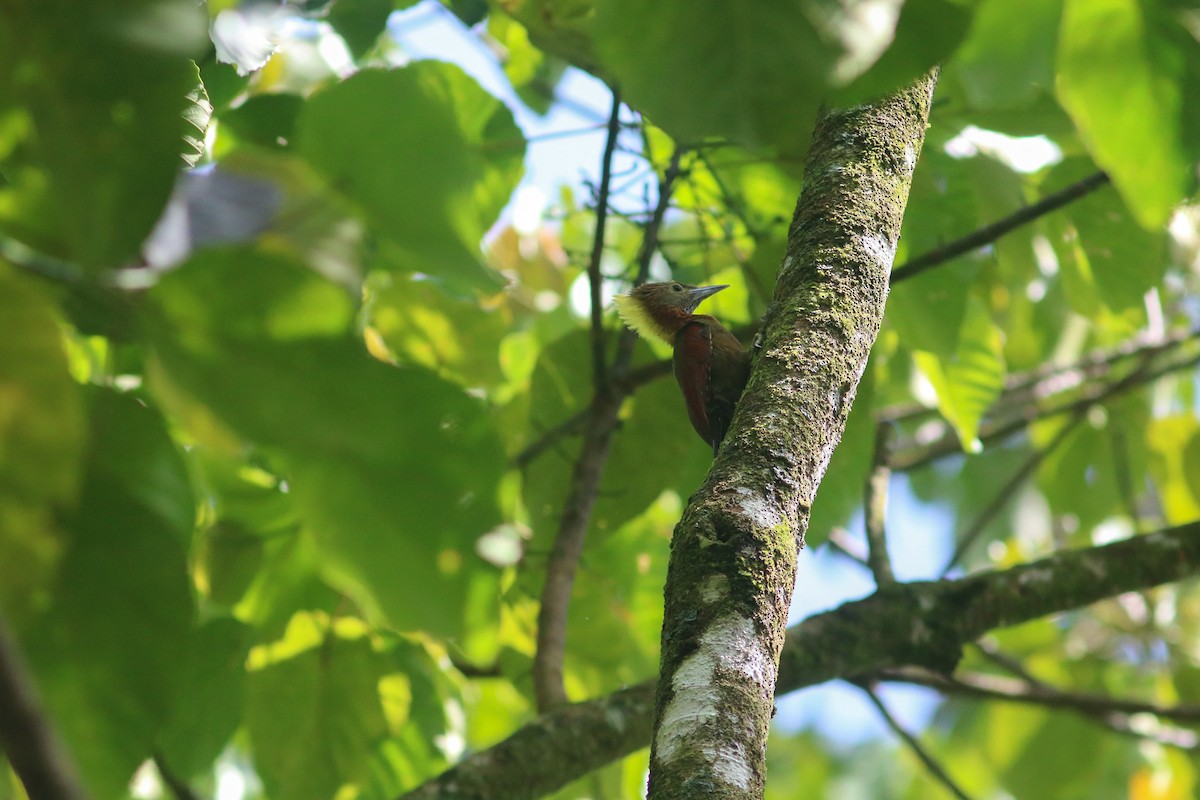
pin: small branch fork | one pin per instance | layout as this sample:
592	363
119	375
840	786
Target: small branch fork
597	423
909	624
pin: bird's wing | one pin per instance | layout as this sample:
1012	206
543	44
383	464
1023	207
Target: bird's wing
693	360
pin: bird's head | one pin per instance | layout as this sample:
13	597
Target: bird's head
659	309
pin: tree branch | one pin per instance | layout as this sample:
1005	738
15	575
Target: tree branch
589	468
180	789
595	280
875	507
990	233
1113	713
999	687
34	750
600	420
920	624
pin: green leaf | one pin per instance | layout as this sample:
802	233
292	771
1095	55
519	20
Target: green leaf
424	325
616	603
430	157
42	433
927	311
1173	477
247	295
230	556
142	461
359	22
1065	757
1007	60
1121	87
755	72
109	650
196	117
1118	259
208	697
313	709
1191	466
969	381
926	34
532	74
356	436
103	144
265	120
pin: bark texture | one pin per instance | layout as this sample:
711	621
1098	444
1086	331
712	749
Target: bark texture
921	624
733	557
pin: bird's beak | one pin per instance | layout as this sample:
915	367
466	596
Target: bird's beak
701	292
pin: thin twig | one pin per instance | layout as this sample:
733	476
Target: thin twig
599	368
1006	662
1006	492
991	433
599	423
564	555
178	786
1049	379
734	205
34	750
1116	714
842	542
624	384
990	233
875	498
1054	378
931	764
650	239
1003	688
569	426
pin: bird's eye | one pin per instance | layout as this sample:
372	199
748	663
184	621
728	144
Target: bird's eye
675	287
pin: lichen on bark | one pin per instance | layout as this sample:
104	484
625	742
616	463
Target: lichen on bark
720	649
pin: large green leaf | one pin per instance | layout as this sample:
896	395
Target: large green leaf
927	32
41	443
109	649
313	710
927	311
208	696
1121	86
394	470
1116	257
752	71
102	143
1007	59
360	22
616	603
430	157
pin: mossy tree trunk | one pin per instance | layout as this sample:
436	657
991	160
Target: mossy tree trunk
733	557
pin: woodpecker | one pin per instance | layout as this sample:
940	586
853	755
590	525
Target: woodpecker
711	365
